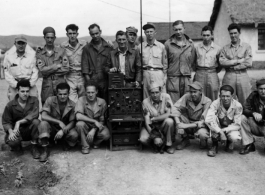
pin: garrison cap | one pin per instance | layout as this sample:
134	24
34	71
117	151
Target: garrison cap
227	88
132	29
196	85
48	30
153	86
260	82
149	25
21	38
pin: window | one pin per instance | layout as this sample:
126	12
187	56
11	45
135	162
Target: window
261	39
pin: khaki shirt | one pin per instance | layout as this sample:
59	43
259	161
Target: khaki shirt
74	54
230	54
207	58
185	106
23	67
162	108
51	106
97	113
217	109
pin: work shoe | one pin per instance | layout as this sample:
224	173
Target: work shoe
214	150
35	151
170	150
85	150
44	155
184	143
248	148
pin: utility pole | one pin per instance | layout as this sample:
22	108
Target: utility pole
169	8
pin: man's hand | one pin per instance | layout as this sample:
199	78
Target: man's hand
58	135
12	136
239	61
62	125
257	116
90	135
110	43
158	142
16	128
114	69
223	137
137	84
200	124
99	125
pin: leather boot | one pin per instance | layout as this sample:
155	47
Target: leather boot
214	150
44	155
248	148
184	143
35	151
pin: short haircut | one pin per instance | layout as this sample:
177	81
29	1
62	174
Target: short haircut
234	26
62	86
120	33
92	83
178	22
227	88
206	28
23	83
71	27
93	26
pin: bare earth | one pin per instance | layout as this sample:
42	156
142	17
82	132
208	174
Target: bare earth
132	172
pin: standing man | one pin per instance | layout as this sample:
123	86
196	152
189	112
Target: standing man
189	113
126	60
236	58
253	118
181	57
20	119
131	35
52	63
18	65
157	113
58	120
74	48
224	120
89	112
207	64
94	59
154	60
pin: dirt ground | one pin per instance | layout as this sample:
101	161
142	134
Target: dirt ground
187	172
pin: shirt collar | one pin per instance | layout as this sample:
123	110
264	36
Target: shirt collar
15	100
55	50
121	51
155	43
23	56
239	45
212	45
160	100
173	40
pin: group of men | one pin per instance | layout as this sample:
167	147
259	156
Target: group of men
74	89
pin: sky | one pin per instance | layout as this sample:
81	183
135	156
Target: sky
30	17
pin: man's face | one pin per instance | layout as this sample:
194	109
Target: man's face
91	93
226	97
150	34
179	30
72	35
23	93
21	46
121	40
49	38
131	37
62	95
261	91
95	33
234	35
207	36
195	95
155	94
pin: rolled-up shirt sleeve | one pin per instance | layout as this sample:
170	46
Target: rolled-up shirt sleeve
47	105
211	119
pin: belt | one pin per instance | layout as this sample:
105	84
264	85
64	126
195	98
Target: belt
53	77
207	70
236	71
75	73
150	68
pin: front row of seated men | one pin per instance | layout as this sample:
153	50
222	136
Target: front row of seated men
192	115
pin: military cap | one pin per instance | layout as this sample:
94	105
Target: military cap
149	25
132	29
260	82
227	88
21	38
154	85
196	85
48	30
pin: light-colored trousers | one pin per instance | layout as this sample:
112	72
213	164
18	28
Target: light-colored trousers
12	92
76	82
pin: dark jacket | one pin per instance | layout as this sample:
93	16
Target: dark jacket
132	64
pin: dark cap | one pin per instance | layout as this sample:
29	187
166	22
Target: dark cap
149	25
196	85
48	30
132	29
260	82
227	88
21	38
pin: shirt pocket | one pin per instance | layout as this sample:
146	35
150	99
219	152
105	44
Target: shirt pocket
157	57
14	70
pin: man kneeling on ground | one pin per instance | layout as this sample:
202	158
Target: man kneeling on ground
224	120
58	121
20	118
89	112
157	109
189	113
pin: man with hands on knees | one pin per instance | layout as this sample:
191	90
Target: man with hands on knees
157	108
20	118
58	121
89	112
